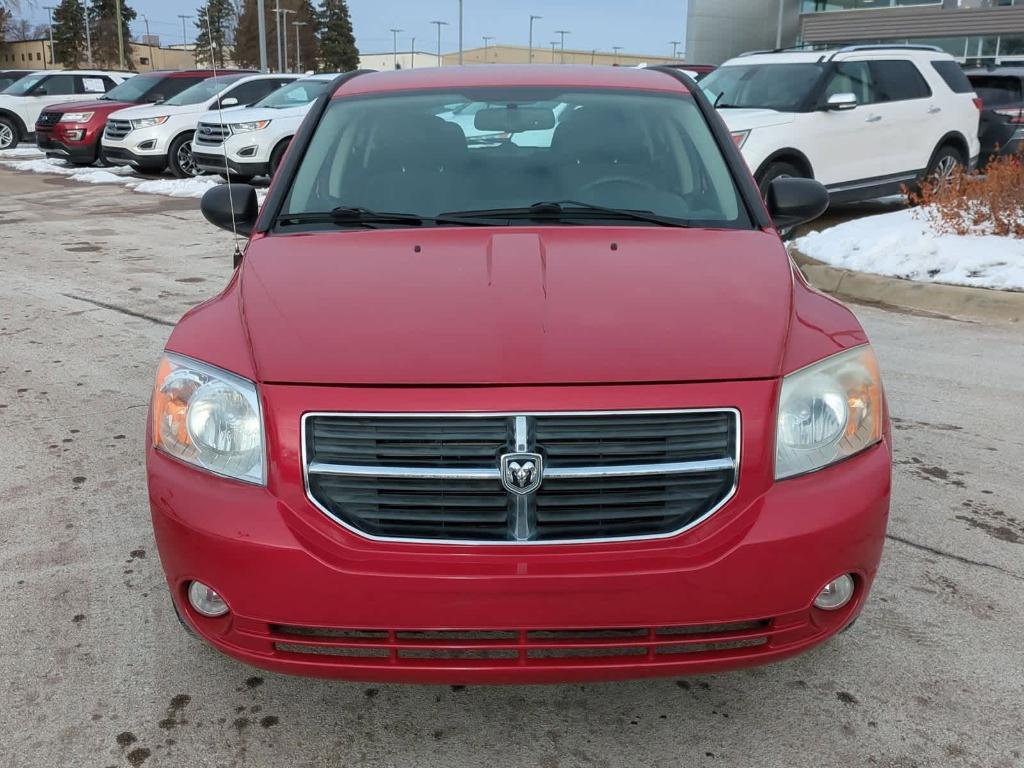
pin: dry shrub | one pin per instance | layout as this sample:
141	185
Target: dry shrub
975	204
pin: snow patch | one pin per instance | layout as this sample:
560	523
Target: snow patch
903	244
25	150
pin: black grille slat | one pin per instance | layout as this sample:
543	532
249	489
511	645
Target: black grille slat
211	134
117	129
580	507
49	118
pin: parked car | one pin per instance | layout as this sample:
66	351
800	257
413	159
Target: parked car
697	71
243	143
22	101
9	77
864	120
156	137
73	131
517	413
1001	91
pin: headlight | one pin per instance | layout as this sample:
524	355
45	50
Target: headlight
828	411
209	418
149	122
257	125
76	117
740	138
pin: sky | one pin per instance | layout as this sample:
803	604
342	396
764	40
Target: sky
640	26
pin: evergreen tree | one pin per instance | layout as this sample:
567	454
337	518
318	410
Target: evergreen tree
213	43
103	28
338	51
69	33
247	43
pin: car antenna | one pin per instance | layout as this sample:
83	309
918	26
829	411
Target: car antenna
237	257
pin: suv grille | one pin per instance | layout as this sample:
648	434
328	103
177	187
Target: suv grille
601	475
117	129
211	134
49	119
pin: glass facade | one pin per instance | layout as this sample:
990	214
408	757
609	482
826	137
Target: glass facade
976	48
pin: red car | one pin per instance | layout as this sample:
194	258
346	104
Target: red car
73	131
556	408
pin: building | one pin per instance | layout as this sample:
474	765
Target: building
976	31
507	54
35	54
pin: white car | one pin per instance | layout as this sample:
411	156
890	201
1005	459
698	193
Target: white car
22	101
154	137
863	120
243	143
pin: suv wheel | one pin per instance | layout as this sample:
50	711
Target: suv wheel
180	159
276	157
777	170
8	133
944	166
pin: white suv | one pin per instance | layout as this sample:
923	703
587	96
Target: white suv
250	142
863	120
153	137
24	99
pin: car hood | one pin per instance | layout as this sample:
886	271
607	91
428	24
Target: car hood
516	306
89	106
748	119
252	114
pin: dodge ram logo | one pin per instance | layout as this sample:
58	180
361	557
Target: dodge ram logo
521	473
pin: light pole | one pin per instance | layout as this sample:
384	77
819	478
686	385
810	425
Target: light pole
487	41
562	33
88	37
261	23
394	35
460	32
439	24
554	47
184	34
49	13
533	18
675	48
298	49
616	48
149	42
277	33
412	53
778	30
283	24
120	33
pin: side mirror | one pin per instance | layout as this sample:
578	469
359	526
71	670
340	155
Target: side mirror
839	102
230	101
231	202
791	201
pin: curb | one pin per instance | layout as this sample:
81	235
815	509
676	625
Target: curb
937	299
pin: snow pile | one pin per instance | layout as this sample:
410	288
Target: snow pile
903	244
25	150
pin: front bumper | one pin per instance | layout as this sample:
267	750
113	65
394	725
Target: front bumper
309	597
213	163
56	142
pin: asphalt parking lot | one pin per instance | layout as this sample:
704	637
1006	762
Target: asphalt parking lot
96	671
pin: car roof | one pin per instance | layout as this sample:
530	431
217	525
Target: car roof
193	72
513	76
116	73
839	54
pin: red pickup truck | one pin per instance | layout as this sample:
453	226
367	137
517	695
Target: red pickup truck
553	407
73	131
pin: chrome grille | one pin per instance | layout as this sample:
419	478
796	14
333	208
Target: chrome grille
211	134
633	474
117	129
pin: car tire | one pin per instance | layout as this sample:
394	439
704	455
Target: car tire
276	156
776	170
179	158
946	162
9	133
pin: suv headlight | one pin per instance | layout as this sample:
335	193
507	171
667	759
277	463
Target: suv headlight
257	125
828	411
209	418
76	117
149	122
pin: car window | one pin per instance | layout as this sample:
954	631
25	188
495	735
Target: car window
55	85
253	91
294	94
994	91
852	77
954	76
419	153
203	91
134	88
93	84
899	80
25	84
782	87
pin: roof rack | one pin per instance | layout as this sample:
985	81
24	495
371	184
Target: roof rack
886	47
777	50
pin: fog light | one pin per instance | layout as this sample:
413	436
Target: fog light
206	600
147	144
76	135
247	152
836	594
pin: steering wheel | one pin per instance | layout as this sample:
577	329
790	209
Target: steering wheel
627	180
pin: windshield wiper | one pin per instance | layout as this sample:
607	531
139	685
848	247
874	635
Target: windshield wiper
568	210
354	216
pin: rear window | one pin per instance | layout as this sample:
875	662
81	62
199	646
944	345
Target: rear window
954	76
994	91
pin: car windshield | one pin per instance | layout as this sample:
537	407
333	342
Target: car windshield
25	84
504	150
782	87
203	91
294	95
134	88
